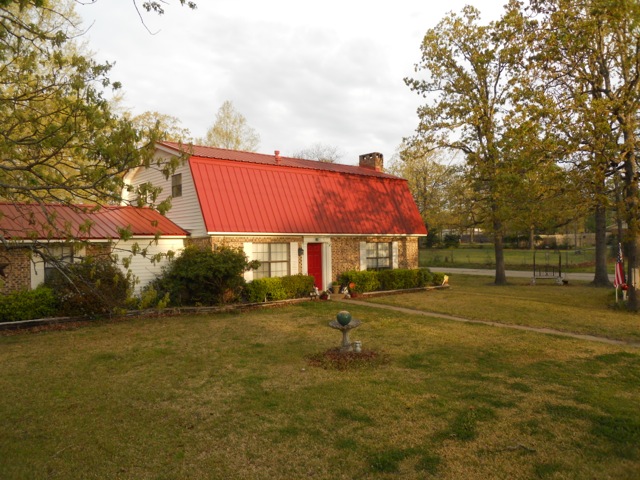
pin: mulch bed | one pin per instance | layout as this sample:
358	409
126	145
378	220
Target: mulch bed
335	359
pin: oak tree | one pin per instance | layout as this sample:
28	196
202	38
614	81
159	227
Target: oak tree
468	91
589	52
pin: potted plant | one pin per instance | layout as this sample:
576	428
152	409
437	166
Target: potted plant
353	290
335	286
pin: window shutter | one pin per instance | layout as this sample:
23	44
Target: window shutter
293	258
247	247
394	255
363	256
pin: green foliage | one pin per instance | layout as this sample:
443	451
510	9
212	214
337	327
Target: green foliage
297	286
437	278
149	298
265	289
278	288
404	279
364	281
92	286
28	304
201	276
399	279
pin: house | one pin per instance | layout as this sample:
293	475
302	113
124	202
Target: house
293	215
30	234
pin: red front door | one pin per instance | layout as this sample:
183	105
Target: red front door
314	263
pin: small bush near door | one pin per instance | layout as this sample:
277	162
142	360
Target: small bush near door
278	288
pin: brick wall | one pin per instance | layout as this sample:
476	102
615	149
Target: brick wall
345	251
345	255
18	273
238	242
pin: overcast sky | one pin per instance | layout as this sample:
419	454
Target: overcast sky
301	72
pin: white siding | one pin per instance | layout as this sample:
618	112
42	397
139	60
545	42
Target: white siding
142	267
37	263
185	210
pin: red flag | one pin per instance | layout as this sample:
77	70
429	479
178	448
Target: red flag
618	280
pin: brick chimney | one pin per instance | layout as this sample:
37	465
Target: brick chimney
374	161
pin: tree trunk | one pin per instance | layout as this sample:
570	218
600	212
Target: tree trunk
601	277
631	211
498	243
532	238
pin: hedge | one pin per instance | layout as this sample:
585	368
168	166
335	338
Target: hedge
28	305
399	279
278	288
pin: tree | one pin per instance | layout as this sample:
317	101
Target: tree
468	91
230	130
169	127
589	49
60	142
433	184
320	152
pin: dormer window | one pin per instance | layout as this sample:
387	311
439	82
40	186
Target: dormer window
176	185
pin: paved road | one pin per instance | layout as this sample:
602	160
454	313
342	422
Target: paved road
587	277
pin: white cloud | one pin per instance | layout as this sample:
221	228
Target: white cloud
301	73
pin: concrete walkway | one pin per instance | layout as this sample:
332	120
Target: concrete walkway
586	277
545	331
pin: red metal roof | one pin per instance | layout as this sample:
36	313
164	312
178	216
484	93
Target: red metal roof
264	159
32	221
245	192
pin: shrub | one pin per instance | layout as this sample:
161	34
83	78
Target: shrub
149	298
201	276
437	278
265	289
365	281
278	288
28	305
399	279
297	286
90	287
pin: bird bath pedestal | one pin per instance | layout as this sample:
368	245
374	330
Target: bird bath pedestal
346	343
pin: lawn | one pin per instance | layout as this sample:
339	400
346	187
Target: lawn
576	307
234	396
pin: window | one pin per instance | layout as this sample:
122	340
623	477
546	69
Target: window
273	258
62	254
176	185
378	256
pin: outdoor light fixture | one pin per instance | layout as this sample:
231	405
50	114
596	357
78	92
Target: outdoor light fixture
300	251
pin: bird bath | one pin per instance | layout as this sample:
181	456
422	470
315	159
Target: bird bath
345	329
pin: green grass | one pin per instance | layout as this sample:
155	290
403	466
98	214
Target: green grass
580	260
576	307
233	396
